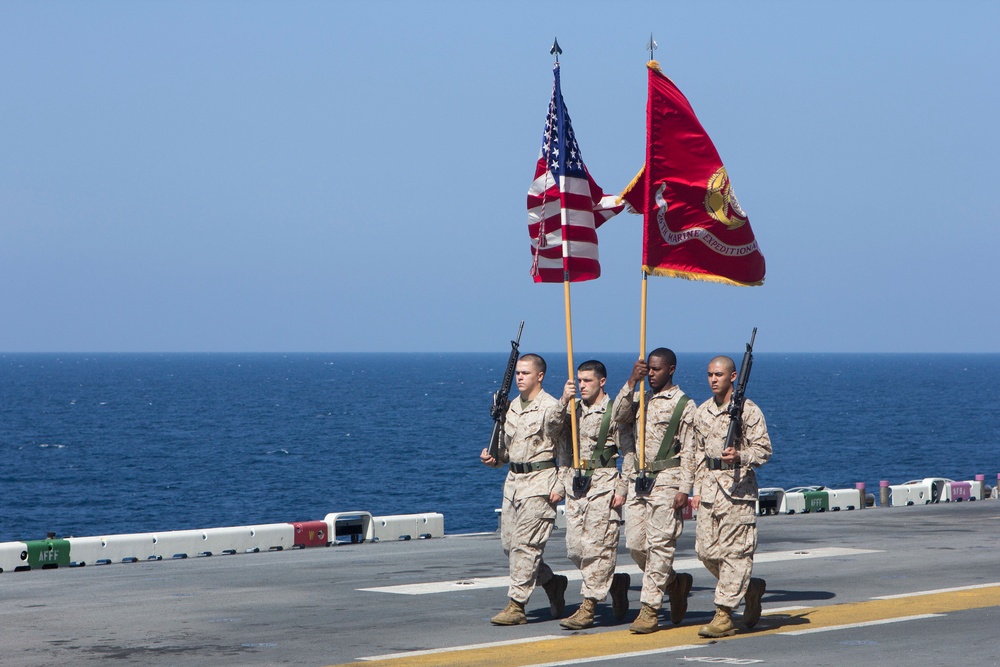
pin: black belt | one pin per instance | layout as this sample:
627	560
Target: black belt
521	468
718	464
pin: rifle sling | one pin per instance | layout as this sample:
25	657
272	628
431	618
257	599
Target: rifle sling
669	456
601	456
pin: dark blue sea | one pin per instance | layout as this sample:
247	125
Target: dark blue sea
96	444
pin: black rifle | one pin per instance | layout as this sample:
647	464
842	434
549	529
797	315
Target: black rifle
501	399
736	403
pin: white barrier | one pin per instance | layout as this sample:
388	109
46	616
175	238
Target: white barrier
13	555
918	492
845	499
349	527
128	548
408	526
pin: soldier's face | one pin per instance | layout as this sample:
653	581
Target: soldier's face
659	373
527	376
590	385
720	378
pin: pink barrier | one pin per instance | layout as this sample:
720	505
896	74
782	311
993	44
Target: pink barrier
960	491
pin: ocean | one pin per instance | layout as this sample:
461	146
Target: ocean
99	444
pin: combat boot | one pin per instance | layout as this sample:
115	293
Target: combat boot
678	591
619	594
583	618
721	625
555	588
513	614
645	622
755	591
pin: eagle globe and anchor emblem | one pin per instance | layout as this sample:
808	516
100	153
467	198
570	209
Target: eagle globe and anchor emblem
720	203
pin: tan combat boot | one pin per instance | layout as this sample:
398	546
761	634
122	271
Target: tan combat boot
721	625
584	616
619	595
555	588
755	591
678	591
513	614
645	622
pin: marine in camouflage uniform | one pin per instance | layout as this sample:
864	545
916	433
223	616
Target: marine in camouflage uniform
726	495
653	521
533	434
593	513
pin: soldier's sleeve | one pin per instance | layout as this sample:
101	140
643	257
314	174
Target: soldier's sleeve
689	459
624	435
555	419
756	448
623	411
701	467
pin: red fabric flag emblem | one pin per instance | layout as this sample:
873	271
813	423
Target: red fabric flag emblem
694	226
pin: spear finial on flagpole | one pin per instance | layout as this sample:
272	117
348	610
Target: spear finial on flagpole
555	50
651	46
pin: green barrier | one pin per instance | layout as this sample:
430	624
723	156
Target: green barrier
816	501
47	553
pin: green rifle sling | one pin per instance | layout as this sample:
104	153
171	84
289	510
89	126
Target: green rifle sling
601	454
667	456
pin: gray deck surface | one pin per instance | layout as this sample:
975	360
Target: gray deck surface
310	607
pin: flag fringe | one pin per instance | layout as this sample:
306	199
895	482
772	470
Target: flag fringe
691	275
628	188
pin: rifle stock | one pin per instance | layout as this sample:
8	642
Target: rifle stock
501	399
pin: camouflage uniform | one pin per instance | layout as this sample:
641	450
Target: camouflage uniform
592	526
726	536
652	526
532	434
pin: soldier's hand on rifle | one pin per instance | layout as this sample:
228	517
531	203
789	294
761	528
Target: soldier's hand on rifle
639	372
487	459
569	391
730	455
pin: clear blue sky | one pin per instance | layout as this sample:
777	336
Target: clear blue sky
334	176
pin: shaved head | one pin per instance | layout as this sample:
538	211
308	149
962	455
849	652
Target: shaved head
727	363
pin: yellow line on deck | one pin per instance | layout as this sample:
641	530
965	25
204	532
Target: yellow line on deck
617	642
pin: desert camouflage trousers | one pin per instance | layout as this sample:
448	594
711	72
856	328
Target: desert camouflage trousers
725	541
592	530
652	527
525	526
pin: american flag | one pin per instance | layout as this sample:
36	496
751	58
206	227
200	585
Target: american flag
565	205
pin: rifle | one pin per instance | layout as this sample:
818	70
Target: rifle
736	403
501	399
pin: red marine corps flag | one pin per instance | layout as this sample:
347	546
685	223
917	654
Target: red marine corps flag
694	226
565	205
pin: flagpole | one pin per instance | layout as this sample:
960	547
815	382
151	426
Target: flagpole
642	392
641	439
569	360
555	51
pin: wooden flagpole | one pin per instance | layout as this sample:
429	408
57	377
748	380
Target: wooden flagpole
555	50
569	360
641	435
